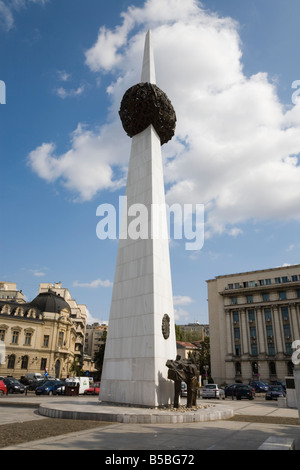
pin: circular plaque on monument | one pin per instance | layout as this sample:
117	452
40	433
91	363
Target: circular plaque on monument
146	104
166	326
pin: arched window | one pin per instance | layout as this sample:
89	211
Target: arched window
238	369
254	366
290	368
24	364
11	361
272	368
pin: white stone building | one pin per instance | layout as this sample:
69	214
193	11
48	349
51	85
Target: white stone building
254	318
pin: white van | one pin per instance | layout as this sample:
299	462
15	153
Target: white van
83	382
34	376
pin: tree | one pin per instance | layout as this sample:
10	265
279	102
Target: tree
99	356
202	356
179	333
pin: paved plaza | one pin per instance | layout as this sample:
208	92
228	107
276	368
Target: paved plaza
243	432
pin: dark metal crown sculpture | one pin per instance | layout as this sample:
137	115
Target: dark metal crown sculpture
145	104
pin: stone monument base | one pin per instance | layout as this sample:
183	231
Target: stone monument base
97	411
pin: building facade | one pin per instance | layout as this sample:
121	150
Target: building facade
94	338
44	335
78	315
254	319
195	330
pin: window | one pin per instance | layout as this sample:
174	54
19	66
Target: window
252	283
230	286
28	339
254	350
60	339
249	299
238	350
282	295
268	282
285	279
268	315
43	363
238	368
11	361
271	349
24	364
298	293
269	330
2	335
294	278
272	368
46	341
251	316
15	338
266	297
246	284
289	349
236	317
252	332
254	367
237	334
285	313
287	331
234	301
277	280
261	282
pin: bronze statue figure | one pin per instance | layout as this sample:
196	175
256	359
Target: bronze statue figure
184	370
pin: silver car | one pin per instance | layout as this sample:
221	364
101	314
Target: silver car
213	391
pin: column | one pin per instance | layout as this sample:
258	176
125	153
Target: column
260	331
277	329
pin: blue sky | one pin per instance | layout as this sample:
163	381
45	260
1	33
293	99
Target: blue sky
228	68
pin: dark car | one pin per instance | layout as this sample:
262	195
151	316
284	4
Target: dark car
48	388
282	384
259	386
240	391
245	391
14	386
274	392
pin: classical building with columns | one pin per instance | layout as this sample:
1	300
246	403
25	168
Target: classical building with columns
254	318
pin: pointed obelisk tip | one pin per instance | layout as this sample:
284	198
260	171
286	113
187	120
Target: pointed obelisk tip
148	71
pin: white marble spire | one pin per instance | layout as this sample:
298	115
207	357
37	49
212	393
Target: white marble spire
148	70
137	348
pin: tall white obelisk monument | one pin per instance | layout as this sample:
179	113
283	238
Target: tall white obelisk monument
141	331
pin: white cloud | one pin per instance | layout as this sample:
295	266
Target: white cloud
182	300
7	11
63	93
237	146
93	284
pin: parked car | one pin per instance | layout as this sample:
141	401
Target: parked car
48	387
235	390
59	388
183	392
213	391
3	389
259	386
274	392
93	390
282	384
245	391
13	385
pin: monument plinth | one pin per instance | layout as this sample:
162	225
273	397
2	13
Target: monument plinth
141	332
